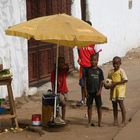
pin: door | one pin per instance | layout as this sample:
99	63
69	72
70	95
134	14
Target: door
42	55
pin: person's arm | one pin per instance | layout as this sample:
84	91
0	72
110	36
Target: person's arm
79	57
119	83
66	67
123	79
52	80
85	84
101	77
85	89
100	89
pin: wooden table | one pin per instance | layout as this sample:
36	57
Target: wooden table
12	114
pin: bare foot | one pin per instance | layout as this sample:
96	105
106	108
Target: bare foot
123	124
99	124
90	124
115	123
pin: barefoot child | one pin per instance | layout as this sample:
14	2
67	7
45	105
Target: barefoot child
118	89
93	86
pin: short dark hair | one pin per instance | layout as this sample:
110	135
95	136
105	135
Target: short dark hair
117	58
89	22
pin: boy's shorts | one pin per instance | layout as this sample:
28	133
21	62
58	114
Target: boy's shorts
91	97
118	93
82	79
82	82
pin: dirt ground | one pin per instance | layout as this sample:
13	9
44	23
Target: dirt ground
76	116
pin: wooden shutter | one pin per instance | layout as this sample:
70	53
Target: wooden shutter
42	5
42	56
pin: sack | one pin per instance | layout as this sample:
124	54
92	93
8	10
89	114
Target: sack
5	73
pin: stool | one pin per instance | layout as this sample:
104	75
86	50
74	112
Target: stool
12	114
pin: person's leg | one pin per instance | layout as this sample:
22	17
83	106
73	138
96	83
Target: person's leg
82	84
89	111
89	107
115	112
83	94
59	118
63	105
123	111
98	101
99	111
63	110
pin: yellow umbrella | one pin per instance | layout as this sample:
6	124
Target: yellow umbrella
60	29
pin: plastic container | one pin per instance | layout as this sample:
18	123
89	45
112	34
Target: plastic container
48	99
2	110
47	114
36	119
48	107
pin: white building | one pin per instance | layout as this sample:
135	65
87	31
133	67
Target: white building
119	20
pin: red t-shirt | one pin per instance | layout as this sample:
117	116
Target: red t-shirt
62	82
84	55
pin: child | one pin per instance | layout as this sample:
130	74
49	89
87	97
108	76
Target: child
84	62
62	88
118	89
93	86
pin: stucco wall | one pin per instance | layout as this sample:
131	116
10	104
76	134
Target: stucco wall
120	24
76	12
13	50
111	17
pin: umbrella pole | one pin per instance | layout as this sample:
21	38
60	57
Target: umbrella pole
56	78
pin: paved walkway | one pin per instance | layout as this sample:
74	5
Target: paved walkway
132	130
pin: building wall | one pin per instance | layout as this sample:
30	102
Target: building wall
13	50
76	12
120	24
111	17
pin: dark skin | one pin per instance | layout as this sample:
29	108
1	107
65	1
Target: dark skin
94	64
116	65
61	66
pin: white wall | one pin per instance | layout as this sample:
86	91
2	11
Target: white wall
120	24
76	12
13	50
111	17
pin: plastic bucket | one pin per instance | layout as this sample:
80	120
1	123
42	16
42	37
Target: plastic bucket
2	110
36	119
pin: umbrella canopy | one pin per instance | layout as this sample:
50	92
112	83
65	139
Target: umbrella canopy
62	28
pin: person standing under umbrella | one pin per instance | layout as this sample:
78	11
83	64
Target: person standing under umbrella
62	88
94	79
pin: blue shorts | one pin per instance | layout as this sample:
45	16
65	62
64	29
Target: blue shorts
82	80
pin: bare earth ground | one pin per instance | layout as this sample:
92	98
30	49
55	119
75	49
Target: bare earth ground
76	127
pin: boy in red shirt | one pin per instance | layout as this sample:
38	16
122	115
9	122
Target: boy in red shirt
62	88
84	62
